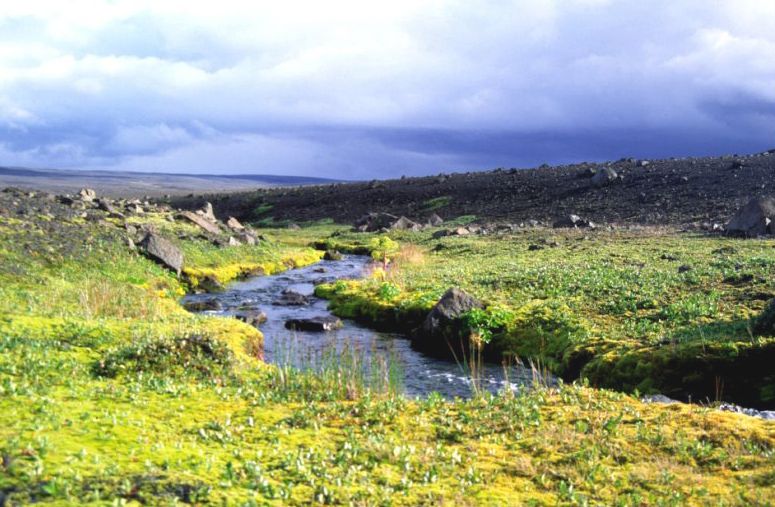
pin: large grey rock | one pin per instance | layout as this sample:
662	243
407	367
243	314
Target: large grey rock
201	221
315	324
603	177
435	220
162	251
754	219
444	318
206	212
235	225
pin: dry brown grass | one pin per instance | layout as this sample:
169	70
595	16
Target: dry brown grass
101	298
409	254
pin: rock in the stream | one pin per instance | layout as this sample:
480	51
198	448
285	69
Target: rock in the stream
315	324
443	319
252	317
210	284
203	305
161	250
754	219
291	298
332	255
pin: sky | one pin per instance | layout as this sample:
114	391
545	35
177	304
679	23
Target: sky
360	89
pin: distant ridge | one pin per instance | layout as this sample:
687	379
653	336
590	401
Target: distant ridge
126	183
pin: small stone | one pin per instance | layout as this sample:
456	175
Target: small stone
314	324
203	305
253	317
332	255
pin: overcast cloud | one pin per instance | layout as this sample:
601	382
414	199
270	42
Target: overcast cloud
359	89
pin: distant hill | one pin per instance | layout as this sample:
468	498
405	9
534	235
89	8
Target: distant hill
119	183
673	191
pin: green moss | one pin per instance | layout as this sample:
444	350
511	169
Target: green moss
611	306
436	203
203	422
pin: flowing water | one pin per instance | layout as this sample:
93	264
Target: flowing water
419	373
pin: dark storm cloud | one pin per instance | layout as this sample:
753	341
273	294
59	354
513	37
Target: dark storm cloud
360	90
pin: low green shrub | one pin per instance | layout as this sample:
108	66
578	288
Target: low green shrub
191	355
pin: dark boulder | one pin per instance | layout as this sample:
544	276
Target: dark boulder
210	284
315	324
753	219
443	321
332	255
162	251
291	298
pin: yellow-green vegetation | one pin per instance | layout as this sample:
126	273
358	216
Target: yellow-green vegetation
436	203
648	309
111	394
223	265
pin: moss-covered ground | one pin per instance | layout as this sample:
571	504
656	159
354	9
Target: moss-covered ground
645	309
112	394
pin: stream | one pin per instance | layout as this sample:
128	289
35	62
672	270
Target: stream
419	373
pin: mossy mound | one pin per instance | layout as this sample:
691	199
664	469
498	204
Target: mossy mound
765	323
197	355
